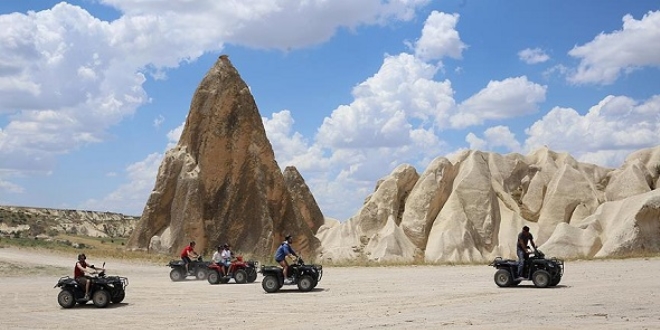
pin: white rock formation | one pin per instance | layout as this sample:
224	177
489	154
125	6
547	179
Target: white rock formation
470	208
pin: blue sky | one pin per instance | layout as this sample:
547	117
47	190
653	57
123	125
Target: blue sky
93	92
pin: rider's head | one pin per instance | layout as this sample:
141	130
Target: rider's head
192	243
288	238
226	246
526	229
82	256
220	247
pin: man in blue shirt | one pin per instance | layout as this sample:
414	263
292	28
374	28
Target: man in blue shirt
285	250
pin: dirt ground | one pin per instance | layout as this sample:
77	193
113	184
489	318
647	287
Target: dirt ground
611	294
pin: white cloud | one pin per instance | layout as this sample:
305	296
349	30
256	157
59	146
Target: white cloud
603	59
385	105
533	56
174	135
617	125
511	97
132	196
439	38
159	121
67	77
9	187
498	136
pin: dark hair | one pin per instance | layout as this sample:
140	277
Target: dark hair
525	228
82	255
288	237
192	243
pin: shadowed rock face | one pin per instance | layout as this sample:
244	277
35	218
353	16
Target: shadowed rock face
221	182
303	200
472	207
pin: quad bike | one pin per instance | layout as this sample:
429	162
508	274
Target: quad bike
537	268
197	268
103	290
306	277
241	271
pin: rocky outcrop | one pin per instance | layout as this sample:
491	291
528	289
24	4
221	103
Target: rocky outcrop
470	208
33	221
375	232
303	200
221	182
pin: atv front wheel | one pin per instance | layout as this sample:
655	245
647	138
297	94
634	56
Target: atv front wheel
306	283
176	275
541	278
240	276
119	297
555	281
252	275
270	284
65	299
503	278
214	277
101	298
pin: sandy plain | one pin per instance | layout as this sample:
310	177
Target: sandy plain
597	294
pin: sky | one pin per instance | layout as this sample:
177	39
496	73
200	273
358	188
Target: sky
94	92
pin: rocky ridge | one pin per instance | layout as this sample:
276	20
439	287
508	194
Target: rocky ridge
20	221
470	209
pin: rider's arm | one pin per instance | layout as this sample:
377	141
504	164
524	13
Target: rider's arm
531	240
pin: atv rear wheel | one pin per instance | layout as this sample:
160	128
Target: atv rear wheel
214	277
101	298
65	299
176	275
270	284
240	276
541	278
306	283
119	297
201	274
503	278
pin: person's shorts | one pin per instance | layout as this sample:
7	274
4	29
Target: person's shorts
82	280
186	260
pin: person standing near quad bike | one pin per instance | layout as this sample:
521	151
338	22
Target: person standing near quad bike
285	250
188	253
524	238
81	269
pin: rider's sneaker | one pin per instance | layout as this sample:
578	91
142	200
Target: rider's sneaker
288	281
86	297
519	278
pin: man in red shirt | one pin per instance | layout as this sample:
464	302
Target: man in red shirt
81	269
188	253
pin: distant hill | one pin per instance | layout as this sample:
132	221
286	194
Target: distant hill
16	221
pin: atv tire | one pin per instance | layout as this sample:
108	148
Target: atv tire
306	283
119	297
270	284
213	277
201	274
176	275
555	281
541	278
503	278
240	276
252	275
101	298
65	299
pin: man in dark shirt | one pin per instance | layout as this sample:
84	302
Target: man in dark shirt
524	238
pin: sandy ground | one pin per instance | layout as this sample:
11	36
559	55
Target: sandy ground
613	294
